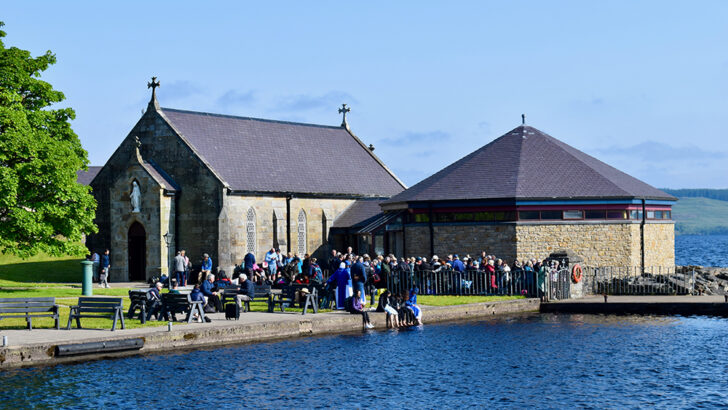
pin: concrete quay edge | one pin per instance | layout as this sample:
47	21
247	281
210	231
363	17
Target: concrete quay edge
160	340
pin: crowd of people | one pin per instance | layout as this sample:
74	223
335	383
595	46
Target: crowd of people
346	279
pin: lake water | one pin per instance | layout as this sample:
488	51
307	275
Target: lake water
704	250
534	361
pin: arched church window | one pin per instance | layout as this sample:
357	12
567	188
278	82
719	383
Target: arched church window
250	230
301	233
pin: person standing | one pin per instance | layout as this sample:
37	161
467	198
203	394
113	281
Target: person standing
179	267
342	281
105	268
96	259
359	278
188	266
271	258
248	262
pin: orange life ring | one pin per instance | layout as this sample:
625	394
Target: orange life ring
576	273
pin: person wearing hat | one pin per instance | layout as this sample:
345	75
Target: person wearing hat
205	269
457	264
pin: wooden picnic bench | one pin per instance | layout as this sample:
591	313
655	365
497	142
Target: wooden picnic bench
29	308
287	298
138	300
261	295
173	303
97	307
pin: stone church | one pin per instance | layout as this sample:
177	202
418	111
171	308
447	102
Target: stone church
226	186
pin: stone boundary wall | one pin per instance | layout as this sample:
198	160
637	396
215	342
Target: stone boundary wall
212	336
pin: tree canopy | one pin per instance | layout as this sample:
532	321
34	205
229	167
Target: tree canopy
42	207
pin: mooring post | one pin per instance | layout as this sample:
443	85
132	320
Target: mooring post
5	341
605	298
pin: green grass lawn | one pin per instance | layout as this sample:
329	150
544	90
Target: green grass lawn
39	270
430	300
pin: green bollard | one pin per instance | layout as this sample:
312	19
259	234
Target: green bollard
87	284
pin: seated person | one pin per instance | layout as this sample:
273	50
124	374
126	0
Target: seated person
154	301
196	295
210	292
386	302
173	287
246	290
206	267
357	308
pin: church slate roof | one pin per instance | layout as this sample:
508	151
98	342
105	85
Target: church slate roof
85	177
256	155
358	213
162	178
526	163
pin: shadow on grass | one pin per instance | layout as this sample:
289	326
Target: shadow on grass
55	271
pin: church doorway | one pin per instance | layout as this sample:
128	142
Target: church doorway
137	252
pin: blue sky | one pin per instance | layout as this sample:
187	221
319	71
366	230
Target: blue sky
642	86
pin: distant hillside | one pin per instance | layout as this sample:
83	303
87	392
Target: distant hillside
719	194
700	216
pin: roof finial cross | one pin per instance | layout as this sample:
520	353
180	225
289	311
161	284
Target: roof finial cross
523	119
153	85
343	110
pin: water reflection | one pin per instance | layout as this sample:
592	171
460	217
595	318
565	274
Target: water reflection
541	361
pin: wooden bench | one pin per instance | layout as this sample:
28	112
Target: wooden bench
261	295
173	303
286	297
29	308
138	300
97	307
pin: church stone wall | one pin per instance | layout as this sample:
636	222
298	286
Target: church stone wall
153	204
270	222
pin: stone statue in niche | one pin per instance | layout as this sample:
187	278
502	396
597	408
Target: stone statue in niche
136	197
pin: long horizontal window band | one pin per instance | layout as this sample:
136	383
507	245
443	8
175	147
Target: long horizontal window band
533	215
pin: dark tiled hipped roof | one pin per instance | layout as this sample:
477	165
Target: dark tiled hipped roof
257	155
85	177
526	163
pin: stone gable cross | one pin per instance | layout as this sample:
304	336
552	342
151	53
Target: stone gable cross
153	85
343	110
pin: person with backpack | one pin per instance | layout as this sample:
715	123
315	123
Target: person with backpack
317	275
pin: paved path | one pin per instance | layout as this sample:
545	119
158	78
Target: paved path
647	299
45	336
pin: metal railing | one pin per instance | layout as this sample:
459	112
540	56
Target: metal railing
469	282
632	280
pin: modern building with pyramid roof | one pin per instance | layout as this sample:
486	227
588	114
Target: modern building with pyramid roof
527	194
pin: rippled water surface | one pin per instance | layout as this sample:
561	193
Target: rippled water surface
703	250
542	361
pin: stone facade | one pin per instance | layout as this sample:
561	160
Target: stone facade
660	244
270	225
600	244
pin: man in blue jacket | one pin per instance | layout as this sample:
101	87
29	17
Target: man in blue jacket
457	264
209	291
246	290
206	268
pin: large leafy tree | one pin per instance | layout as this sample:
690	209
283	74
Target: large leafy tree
42	207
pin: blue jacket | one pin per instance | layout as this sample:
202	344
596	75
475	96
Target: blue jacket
105	261
458	265
248	288
196	295
206	288
359	270
207	265
248	261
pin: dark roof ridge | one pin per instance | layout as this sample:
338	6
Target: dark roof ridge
212	114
